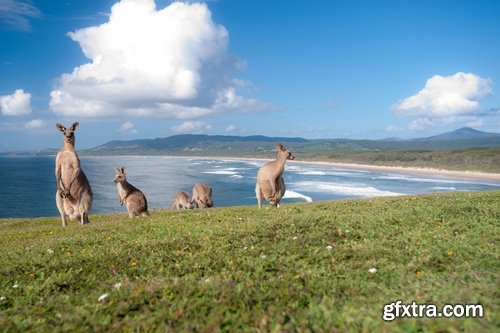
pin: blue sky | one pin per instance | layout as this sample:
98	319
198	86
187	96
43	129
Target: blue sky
136	69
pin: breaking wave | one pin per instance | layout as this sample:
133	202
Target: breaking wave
418	179
314	171
225	171
296	195
342	189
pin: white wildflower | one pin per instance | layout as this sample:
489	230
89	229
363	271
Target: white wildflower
346	231
207	280
50	251
15	286
263	256
295	237
103	297
372	270
329	247
2	298
117	286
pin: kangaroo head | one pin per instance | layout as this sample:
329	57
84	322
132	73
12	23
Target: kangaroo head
190	204
283	151
120	175
68	133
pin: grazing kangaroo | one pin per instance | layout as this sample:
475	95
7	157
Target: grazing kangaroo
270	184
128	194
202	195
74	195
182	201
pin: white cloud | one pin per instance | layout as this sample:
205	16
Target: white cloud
127	127
445	96
421	124
469	121
17	104
230	128
192	127
145	62
35	124
447	100
14	14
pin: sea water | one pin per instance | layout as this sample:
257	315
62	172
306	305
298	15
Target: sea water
28	186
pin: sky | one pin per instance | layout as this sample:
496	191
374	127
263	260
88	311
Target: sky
136	69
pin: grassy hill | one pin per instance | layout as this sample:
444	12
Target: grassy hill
304	267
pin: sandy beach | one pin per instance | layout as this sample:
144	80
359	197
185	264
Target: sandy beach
406	170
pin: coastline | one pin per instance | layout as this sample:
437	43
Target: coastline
411	170
392	169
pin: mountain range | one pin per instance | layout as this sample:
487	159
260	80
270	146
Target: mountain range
257	145
191	144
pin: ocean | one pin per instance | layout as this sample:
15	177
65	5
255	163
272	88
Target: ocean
27	184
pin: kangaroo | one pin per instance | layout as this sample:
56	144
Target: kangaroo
73	195
202	195
128	194
270	184
182	201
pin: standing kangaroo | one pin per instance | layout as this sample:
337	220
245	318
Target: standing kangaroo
182	201
134	199
202	195
74	195
270	184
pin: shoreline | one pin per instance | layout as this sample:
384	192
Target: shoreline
391	169
412	170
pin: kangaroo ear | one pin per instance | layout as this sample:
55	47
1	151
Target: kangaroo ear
116	169
123	170
280	147
61	127
75	126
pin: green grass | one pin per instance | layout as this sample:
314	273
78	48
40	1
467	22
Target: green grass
241	269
